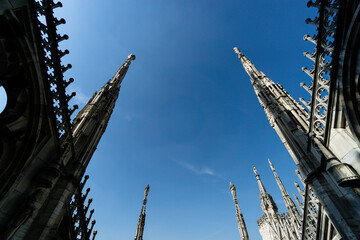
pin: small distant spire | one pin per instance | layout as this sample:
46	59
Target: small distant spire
146	192
297	172
141	223
301	206
271	165
261	185
266	200
255	171
239	217
293	211
301	192
237	51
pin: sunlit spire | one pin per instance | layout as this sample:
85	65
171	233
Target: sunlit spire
239	217
294	215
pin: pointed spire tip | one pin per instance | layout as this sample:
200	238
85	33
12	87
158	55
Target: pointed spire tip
255	171
271	165
131	56
237	51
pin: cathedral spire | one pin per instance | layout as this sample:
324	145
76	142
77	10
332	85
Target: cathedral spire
267	203
120	73
102	103
249	67
261	185
312	155
293	212
87	129
239	217
141	223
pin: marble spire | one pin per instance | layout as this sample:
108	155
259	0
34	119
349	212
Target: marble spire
293	212
239	217
141	222
267	203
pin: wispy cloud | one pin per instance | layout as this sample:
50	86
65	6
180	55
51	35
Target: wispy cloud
196	170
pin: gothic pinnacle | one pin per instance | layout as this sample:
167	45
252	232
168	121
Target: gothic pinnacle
265	198
233	192
141	222
255	171
297	172
146	192
120	73
301	192
239	217
294	215
271	165
237	51
261	186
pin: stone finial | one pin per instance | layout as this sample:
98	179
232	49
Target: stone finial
146	192
131	57
232	187
255	171
237	51
271	165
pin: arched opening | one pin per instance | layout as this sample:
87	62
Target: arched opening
3	99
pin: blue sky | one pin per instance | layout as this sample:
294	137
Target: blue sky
187	120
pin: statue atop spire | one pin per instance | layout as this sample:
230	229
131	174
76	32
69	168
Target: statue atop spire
239	217
141	223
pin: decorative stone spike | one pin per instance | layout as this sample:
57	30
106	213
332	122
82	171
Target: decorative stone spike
314	22
308	72
297	172
86	177
89	218
310	56
305	103
94	234
301	206
310	39
58	22
307	88
88	205
314	4
67	83
64	69
93	222
56	5
60	38
63	53
69	97
301	192
84	196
